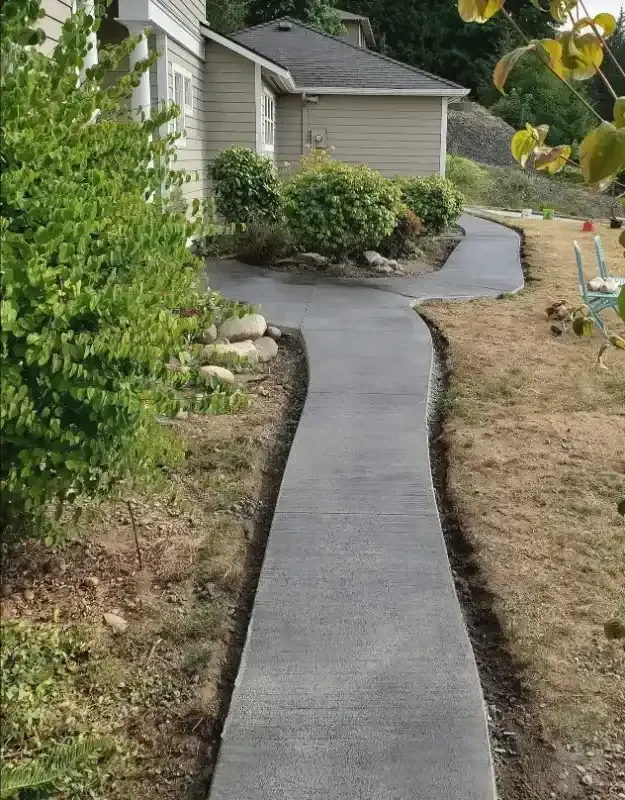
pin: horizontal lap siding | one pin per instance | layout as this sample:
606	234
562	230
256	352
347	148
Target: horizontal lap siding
193	155
396	135
187	12
230	100
57	11
289	129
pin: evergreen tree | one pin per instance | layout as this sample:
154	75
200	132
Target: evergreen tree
598	90
318	13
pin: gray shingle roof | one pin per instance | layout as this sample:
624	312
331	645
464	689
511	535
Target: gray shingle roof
316	59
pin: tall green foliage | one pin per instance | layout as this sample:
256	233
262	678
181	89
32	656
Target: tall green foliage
433	37
90	270
227	17
318	13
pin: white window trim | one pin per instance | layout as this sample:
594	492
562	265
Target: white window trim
186	109
266	95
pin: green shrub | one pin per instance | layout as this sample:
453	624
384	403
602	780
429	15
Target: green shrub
433	199
246	185
91	272
263	242
338	210
403	239
468	177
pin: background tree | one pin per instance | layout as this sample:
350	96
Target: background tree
227	17
433	37
317	13
598	90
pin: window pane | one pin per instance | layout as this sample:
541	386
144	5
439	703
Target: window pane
188	98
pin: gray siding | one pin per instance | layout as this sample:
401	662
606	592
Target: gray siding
57	11
193	155
354	33
232	102
288	130
397	135
187	12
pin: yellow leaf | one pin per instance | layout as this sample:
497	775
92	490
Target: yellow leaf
553	50
541	133
507	62
602	153
560	8
619	112
479	10
607	22
617	341
554	159
581	54
523	145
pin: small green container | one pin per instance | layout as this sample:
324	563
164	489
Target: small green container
547	213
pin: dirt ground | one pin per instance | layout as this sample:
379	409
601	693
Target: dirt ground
161	688
534	433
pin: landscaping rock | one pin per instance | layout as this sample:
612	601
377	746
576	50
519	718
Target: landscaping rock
273	332
373	259
208	336
91	580
232	353
383	269
595	284
238	329
392	263
221	373
29	595
312	260
115	622
267	348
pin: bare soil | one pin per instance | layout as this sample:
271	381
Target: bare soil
531	466
162	687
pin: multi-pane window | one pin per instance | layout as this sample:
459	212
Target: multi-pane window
268	121
182	95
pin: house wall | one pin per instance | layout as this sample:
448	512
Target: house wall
354	33
396	135
57	11
192	155
187	12
233	84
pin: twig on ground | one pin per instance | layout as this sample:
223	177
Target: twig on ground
134	531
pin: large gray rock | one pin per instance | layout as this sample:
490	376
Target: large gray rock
116	623
211	371
383	269
238	329
267	348
233	353
372	258
312	260
208	335
273	332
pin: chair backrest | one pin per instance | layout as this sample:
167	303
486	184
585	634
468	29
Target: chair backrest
580	268
603	270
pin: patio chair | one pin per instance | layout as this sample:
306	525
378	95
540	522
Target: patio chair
603	269
596	301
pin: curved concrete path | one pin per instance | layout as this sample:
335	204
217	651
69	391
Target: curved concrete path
358	680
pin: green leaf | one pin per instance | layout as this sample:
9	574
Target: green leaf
507	62
620	303
523	145
582	326
479	10
619	112
560	9
602	153
621	507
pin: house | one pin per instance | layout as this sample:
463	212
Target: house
280	88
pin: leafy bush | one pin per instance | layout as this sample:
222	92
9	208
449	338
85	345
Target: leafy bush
433	199
246	185
91	272
263	242
468	177
403	239
337	210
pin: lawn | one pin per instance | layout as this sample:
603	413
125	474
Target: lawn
535	431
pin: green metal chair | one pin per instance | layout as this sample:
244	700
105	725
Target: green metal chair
596	301
603	269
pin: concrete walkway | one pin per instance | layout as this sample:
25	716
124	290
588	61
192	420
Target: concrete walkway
358	681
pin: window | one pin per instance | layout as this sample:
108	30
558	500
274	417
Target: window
268	121
181	93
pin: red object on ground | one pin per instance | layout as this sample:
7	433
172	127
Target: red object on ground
588	227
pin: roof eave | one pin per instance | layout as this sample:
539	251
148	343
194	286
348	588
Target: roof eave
371	90
280	74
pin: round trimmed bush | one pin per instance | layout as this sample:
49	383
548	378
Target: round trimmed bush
435	200
338	210
246	185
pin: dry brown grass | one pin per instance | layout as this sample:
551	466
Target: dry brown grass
537	465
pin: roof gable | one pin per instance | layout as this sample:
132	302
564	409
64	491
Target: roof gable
317	60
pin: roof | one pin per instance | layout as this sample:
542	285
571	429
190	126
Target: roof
347	16
318	62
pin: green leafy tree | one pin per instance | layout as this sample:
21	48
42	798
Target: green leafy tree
599	92
317	13
93	260
535	93
227	17
433	37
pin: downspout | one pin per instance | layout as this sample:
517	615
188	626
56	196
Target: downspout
304	123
